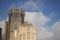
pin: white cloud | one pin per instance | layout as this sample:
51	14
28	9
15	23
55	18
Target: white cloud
44	34
56	27
39	20
2	25
56	30
36	18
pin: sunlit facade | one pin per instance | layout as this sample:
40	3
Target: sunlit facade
16	28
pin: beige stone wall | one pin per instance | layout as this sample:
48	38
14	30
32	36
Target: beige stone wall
23	31
27	32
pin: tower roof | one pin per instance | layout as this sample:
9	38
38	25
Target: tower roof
11	10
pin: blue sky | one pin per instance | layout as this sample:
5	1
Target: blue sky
50	8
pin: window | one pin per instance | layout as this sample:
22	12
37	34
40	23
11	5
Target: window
11	26
28	35
16	15
15	26
24	36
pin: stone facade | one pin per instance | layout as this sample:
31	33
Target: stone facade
17	29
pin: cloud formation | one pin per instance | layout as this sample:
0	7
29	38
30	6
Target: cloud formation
56	30
2	25
36	18
39	20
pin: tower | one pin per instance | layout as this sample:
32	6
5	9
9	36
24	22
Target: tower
17	28
16	17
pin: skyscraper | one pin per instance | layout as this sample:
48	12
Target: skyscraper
17	28
0	33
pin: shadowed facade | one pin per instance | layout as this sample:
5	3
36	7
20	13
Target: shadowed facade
0	33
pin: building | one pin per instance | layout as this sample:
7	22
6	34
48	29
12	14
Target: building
0	33
27	32
17	28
